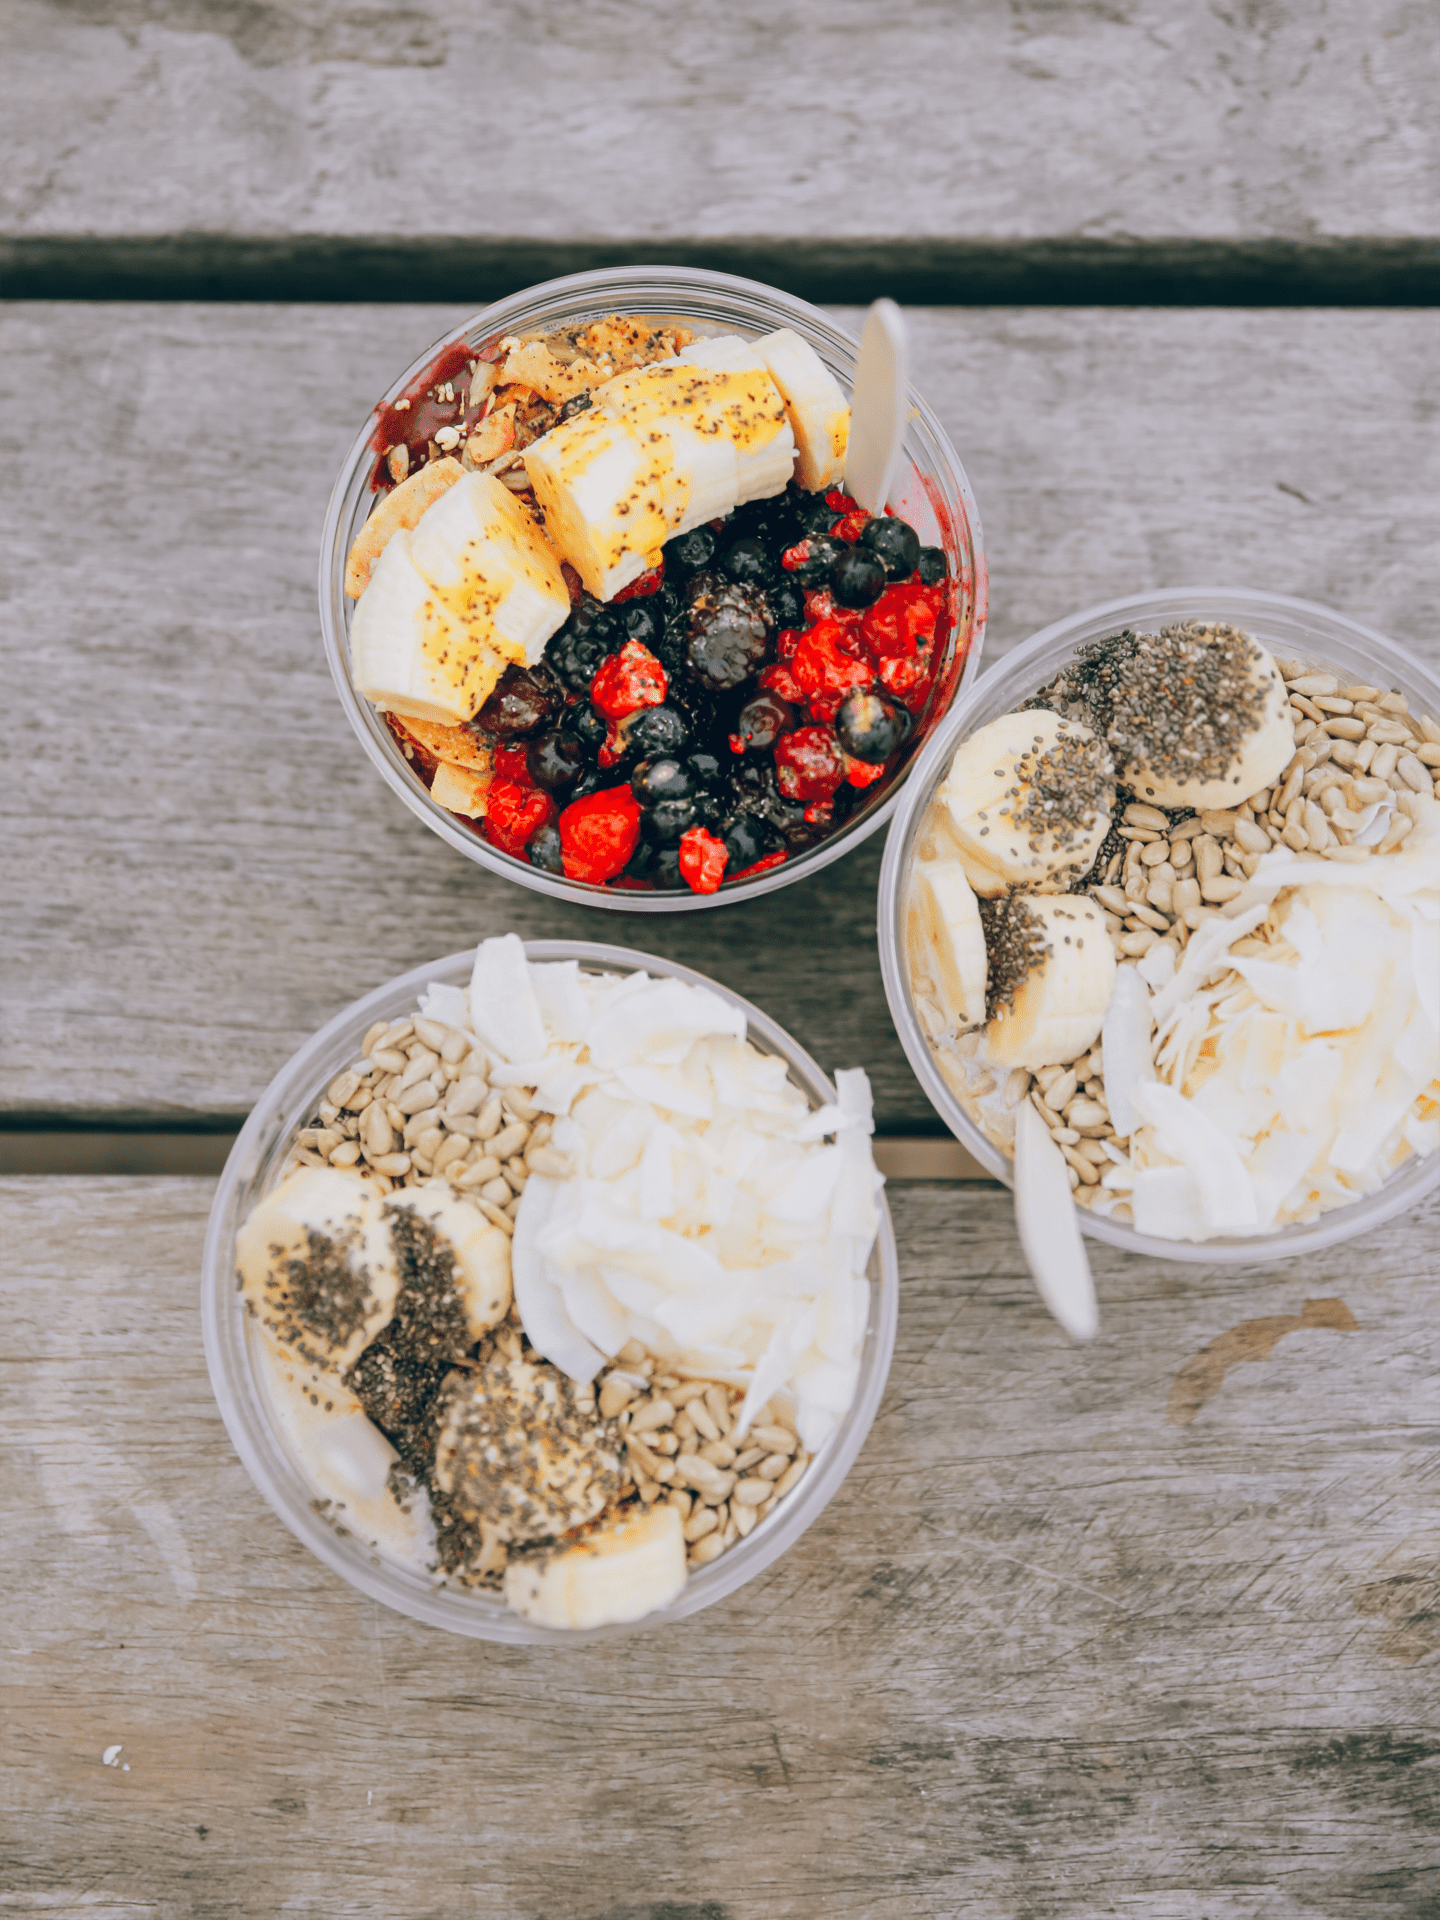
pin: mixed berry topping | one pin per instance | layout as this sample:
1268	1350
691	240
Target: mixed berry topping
728	709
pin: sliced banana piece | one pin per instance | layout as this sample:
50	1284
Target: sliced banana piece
473	589
948	932
1162	684
316	1265
819	412
661	449
1028	795
401	507
622	1571
1051	953
482	1254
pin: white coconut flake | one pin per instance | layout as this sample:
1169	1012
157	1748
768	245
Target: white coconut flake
503	1007
1227	1199
711	1215
450	1006
1125	1039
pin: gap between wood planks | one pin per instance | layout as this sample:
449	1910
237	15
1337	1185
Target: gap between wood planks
201	1149
1359	271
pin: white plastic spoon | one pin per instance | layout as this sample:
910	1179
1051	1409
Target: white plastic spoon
1049	1231
878	407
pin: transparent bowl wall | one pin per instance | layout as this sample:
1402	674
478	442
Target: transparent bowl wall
1291	629
932	493
236	1356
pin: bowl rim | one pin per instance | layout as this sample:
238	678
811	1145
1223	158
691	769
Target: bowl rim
1401	1191
361	716
230	1344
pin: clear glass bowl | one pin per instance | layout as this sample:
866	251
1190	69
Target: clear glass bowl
1291	629
236	1356
931	492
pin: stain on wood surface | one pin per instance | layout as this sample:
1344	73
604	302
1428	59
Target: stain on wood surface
1202	1377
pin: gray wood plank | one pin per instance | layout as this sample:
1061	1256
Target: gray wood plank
824	119
1048	1654
204	867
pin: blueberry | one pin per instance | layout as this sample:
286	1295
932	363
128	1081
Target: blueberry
642	621
665	779
594	780
544	850
707	807
706	768
589	727
748	564
934	567
665	822
815	514
746	841
522	702
666	873
689	551
821	555
666	602
762	720
555	761
655	730
896	544
870	727
786	603
857	577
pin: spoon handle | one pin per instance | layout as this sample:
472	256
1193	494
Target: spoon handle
879	406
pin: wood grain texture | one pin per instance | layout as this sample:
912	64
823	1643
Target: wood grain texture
203	865
1046	1655
1021	118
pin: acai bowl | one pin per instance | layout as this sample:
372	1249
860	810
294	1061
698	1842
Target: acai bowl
462	1310
1169	876
599	610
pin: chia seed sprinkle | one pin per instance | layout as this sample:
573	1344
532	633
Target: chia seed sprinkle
1015	945
1066	787
1179	702
517	1449
326	1296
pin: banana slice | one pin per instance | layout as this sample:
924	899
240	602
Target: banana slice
1187	686
819	412
661	449
622	1571
951	937
316	1265
482	1255
401	507
764	460
473	589
1027	796
1053	968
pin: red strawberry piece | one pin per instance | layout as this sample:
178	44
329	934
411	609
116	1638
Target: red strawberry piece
513	814
598	834
809	764
510	764
630	679
763	865
702	860
642	588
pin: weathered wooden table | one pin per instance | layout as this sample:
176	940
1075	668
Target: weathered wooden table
1135	1630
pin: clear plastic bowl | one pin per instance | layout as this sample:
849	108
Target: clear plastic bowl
931	492
236	1356
1291	629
